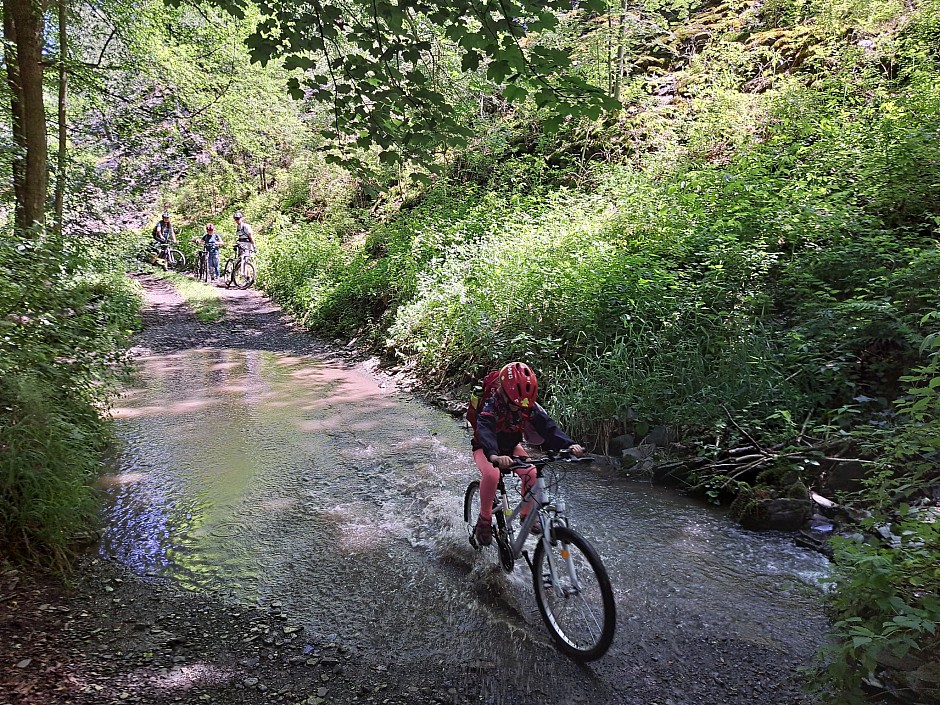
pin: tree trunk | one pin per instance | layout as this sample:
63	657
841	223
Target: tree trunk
621	51
23	32
62	157
610	50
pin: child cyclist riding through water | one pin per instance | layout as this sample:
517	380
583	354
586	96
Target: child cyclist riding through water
507	414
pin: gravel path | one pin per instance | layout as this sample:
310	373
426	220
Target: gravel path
251	321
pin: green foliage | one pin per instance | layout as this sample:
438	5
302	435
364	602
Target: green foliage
298	264
390	74
885	596
178	99
64	321
917	445
886	604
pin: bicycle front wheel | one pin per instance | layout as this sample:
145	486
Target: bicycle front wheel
244	275
471	504
175	260
578	605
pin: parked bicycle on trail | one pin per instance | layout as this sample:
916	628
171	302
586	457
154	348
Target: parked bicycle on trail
572	589
239	271
202	263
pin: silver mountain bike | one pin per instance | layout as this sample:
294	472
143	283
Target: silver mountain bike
572	589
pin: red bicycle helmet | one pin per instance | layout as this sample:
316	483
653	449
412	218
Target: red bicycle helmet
519	384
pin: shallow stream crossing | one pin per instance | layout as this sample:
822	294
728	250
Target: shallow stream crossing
308	483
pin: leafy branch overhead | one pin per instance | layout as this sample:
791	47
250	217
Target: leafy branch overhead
384	67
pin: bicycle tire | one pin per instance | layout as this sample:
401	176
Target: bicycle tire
501	536
243	277
202	268
175	260
582	621
228	272
471	510
471	504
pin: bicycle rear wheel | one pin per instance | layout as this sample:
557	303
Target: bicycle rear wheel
579	607
244	275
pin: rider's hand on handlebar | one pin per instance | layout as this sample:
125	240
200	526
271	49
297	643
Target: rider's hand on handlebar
576	450
503	461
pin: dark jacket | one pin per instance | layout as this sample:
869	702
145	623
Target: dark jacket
499	429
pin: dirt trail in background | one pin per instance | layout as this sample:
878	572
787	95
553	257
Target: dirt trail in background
251	321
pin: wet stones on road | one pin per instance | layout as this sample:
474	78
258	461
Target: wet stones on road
118	638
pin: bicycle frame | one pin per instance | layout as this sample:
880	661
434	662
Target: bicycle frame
238	260
538	494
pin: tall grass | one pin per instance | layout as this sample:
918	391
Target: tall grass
204	299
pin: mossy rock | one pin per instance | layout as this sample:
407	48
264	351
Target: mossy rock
744	505
768	38
645	62
797	490
779	514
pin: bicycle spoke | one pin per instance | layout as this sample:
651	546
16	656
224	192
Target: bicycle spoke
581	619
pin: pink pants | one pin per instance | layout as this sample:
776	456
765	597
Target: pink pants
490	479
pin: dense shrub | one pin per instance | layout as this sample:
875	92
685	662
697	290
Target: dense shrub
64	322
886	596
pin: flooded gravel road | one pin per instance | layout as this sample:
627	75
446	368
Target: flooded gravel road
265	470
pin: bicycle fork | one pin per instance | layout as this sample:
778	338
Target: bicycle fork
548	523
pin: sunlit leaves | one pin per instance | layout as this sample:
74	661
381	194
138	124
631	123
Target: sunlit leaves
379	65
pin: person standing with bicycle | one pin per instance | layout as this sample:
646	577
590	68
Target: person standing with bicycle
507	413
244	236
212	242
163	232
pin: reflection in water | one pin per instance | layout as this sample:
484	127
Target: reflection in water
277	478
162	514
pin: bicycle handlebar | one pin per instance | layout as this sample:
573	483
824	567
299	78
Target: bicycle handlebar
563	456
